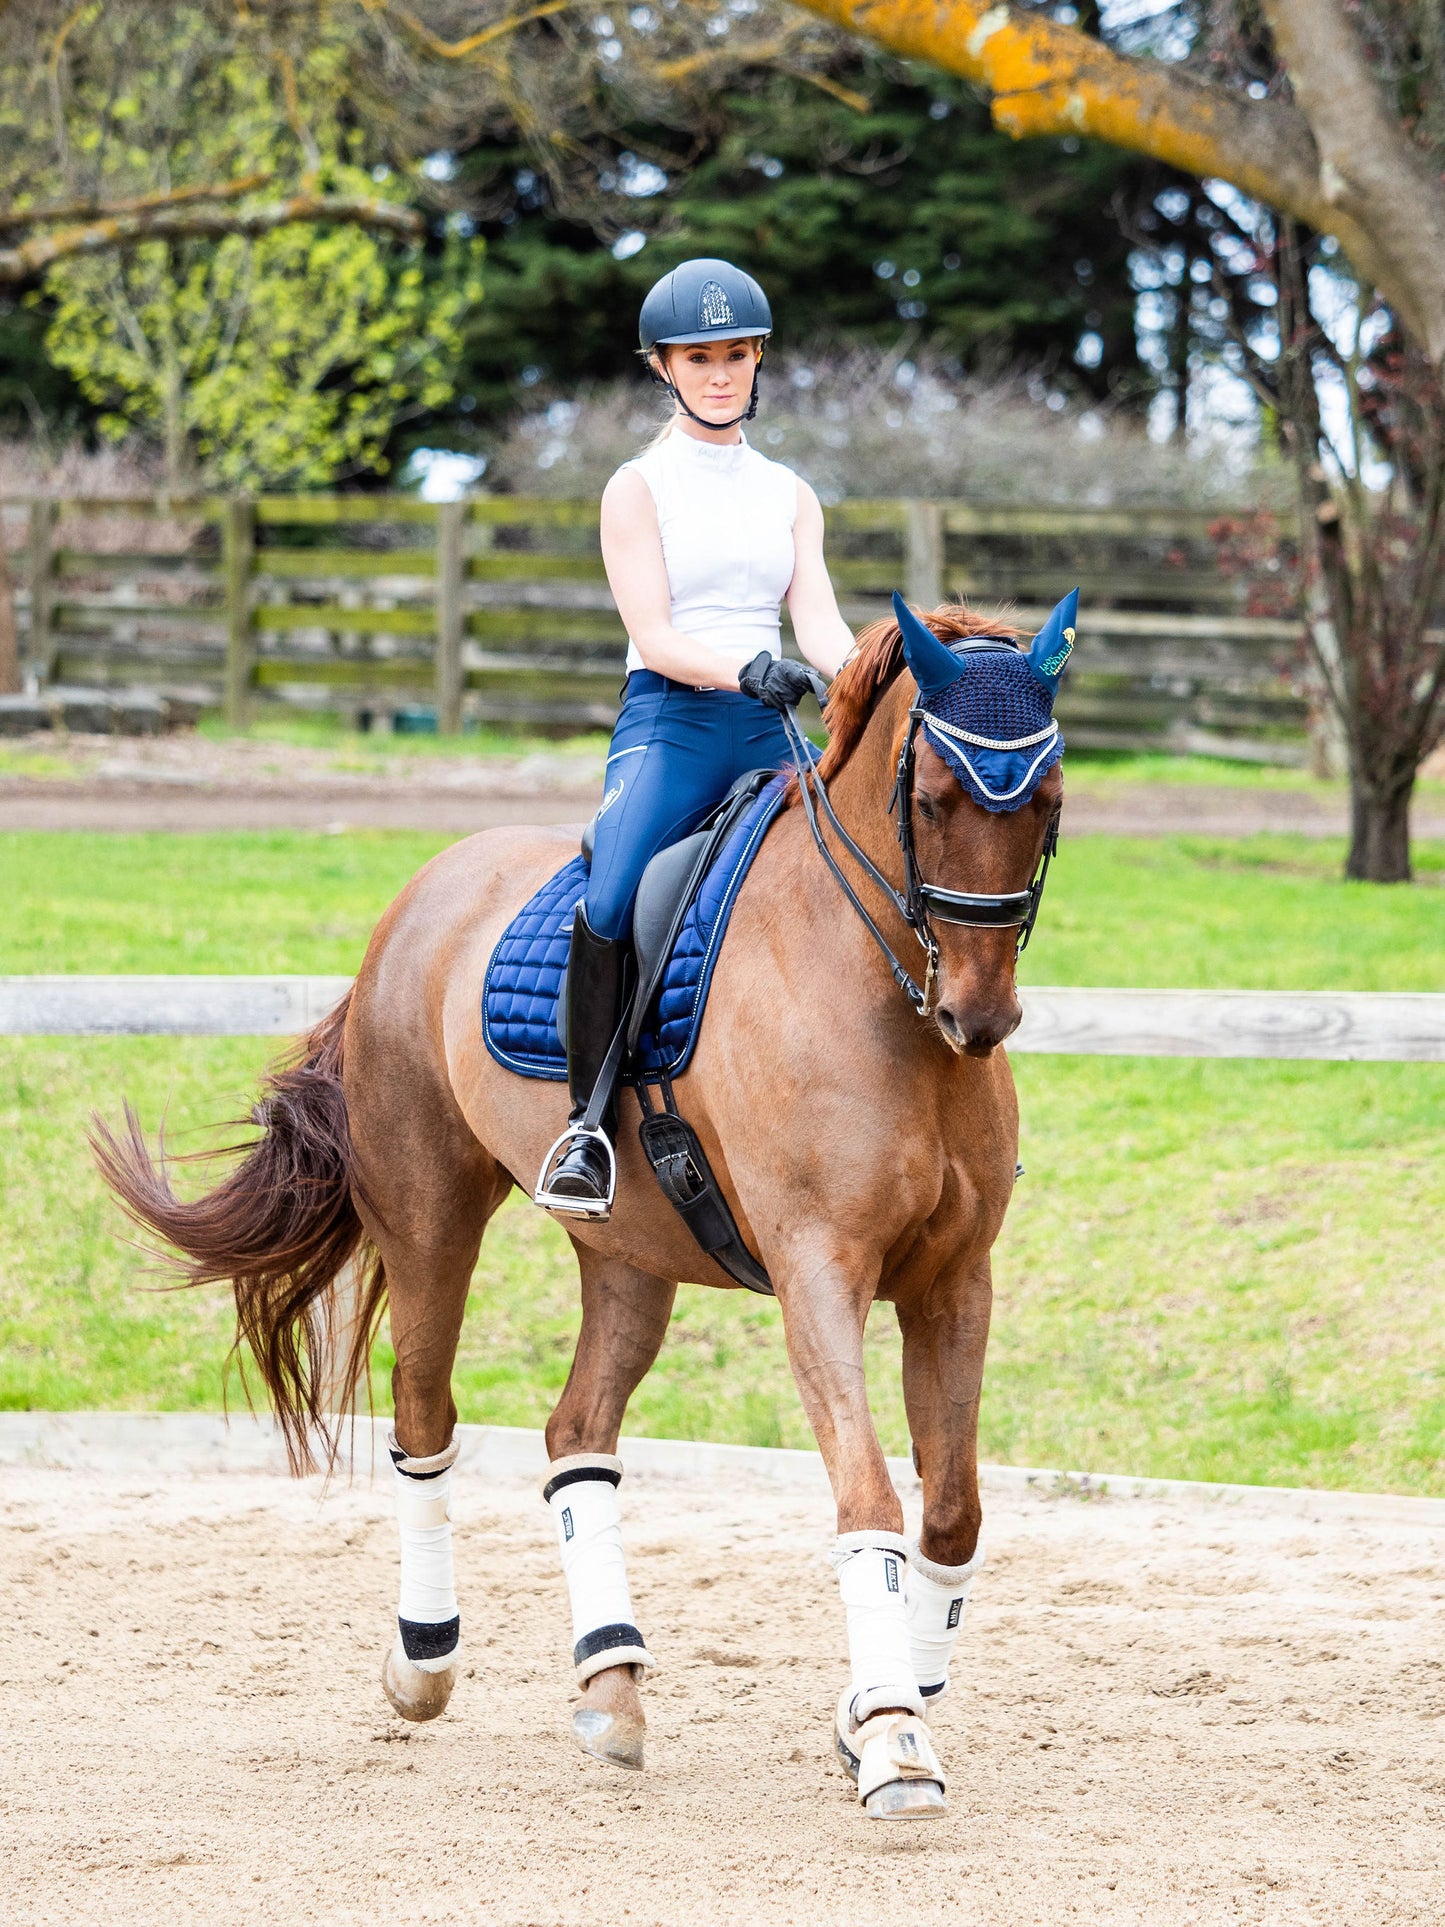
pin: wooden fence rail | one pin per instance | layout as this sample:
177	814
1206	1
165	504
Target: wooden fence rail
497	607
1326	1026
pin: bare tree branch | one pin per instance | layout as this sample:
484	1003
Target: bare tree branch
464	49
129	230
93	210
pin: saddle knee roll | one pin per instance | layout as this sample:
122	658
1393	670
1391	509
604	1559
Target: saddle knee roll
581	1493
427	1616
871	1568
937	1598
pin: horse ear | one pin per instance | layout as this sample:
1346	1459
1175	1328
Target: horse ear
1054	644
934	665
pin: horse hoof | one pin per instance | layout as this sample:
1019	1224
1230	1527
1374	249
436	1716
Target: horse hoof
891	1761
609	1736
906	1800
415	1694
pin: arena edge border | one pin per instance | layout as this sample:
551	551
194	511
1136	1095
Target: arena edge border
198	1443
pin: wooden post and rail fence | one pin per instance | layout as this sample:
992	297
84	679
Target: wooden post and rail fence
496	608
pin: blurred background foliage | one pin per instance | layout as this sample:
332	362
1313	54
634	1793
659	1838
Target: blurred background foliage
560	161
899	216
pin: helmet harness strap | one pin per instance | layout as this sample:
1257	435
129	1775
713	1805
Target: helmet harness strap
664	380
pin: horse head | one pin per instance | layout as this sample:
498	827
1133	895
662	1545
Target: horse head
980	789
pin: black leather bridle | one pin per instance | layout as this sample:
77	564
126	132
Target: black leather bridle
918	903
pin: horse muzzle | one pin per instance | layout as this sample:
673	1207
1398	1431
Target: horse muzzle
974	1031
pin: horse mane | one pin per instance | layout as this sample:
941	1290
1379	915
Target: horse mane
875	665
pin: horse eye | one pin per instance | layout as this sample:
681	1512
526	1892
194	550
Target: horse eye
926	809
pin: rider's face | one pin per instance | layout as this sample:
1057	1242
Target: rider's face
714	378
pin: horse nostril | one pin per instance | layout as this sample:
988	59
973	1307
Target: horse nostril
952	1034
982	1034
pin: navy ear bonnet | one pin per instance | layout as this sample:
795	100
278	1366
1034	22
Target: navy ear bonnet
988	704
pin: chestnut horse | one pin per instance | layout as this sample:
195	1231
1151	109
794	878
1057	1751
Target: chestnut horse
867	1151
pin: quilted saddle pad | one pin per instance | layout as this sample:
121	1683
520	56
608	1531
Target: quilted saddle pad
529	964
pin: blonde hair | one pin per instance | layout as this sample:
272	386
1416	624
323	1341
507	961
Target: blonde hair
660	435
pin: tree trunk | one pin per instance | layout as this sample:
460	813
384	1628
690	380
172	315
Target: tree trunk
9	636
1379	832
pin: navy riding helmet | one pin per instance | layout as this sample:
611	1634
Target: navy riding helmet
703	300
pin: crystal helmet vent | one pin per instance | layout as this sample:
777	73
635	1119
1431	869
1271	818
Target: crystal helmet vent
703	300
987	704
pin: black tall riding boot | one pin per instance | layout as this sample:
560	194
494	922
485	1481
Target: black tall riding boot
596	990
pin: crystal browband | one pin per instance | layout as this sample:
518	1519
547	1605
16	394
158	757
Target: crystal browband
988	742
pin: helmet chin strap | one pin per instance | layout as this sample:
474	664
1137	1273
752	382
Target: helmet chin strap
664	381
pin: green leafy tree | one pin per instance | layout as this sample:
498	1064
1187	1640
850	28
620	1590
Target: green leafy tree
286	361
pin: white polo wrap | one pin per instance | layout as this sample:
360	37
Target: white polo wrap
937	1598
427	1615
582	1494
871	1568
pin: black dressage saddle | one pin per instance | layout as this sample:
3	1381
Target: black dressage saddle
669	885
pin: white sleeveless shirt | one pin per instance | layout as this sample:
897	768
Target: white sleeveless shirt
726	514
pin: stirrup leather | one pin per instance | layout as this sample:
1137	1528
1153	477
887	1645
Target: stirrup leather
572	1206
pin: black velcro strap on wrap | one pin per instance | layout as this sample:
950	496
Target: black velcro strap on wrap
606	1639
575	1475
672	1148
423	1639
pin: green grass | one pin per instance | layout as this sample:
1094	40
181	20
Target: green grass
1099	767
325	729
344	746
1248	913
1211	1270
273	901
1266	912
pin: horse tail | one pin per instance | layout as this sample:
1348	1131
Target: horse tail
281	1227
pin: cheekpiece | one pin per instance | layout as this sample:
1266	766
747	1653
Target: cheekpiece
987	703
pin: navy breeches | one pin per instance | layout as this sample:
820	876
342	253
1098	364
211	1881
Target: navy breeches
675	753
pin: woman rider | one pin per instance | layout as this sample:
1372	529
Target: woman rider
702	538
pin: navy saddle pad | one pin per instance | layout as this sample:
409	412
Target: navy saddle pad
529	964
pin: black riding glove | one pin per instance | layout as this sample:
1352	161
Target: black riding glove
779	684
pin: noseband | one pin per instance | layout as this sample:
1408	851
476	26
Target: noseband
918	903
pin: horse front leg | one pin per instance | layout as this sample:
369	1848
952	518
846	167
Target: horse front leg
945	1334
882	1738
625	1314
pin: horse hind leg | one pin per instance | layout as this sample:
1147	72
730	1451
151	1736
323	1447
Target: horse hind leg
428	1201
625	1314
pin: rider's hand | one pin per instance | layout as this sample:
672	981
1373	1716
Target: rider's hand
779	684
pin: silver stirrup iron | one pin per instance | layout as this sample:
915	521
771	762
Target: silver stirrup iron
577	1207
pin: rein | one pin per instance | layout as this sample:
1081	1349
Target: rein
918	903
